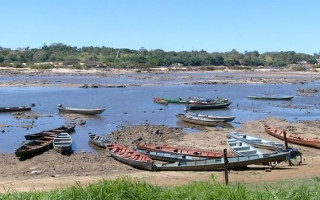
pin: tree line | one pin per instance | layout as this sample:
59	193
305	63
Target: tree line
59	54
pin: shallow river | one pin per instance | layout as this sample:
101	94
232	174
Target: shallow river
134	105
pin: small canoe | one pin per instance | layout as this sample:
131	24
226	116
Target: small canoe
33	136
179	100
36	146
219	163
62	143
292	137
271	97
203	106
15	109
199	120
257	142
130	157
182	151
224	118
160	100
85	111
98	140
241	148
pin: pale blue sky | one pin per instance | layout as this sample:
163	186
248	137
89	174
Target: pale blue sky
171	25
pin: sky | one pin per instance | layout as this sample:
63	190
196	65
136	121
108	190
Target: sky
170	25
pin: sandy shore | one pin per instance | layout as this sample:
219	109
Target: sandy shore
51	170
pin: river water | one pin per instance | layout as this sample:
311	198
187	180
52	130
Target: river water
133	105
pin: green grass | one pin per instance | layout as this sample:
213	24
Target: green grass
127	188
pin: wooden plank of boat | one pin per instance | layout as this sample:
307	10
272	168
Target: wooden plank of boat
217	105
218	163
85	111
160	100
257	142
181	151
33	136
98	140
224	118
62	143
271	97
292	137
130	157
168	157
15	109
199	120
241	148
36	146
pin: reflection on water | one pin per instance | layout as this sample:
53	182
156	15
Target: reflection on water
134	105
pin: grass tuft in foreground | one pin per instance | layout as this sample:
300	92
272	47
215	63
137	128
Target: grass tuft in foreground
128	188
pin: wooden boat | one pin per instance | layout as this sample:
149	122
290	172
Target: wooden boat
224	118
257	142
219	163
33	136
181	151
85	111
179	100
199	120
203	100
292	137
15	109
160	100
62	143
36	146
130	157
271	97
167	156
98	140
241	148
202	106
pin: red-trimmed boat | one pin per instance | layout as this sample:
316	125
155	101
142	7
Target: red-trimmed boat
130	157
292	137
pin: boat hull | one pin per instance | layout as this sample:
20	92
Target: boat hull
292	138
216	164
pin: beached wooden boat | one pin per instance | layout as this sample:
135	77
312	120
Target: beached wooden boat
219	163
203	106
292	137
63	143
15	109
214	117
98	140
33	136
130	157
85	111
168	157
36	146
181	151
271	97
241	148
257	142
199	120
160	100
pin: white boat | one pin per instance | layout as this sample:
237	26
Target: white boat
199	120
242	149
86	111
62	143
257	142
224	118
